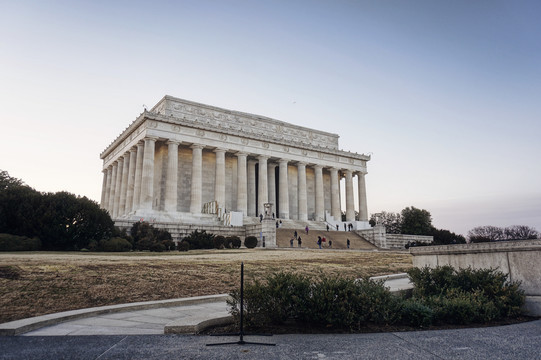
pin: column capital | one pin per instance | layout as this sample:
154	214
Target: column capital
281	161
133	149
240	153
196	146
151	138
172	141
218	150
263	157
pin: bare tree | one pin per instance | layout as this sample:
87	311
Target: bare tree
520	232
486	234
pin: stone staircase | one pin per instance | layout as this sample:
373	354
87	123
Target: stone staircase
309	241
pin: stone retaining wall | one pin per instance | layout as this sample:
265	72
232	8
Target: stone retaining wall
378	237
179	231
399	241
520	259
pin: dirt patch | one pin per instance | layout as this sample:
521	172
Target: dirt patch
40	283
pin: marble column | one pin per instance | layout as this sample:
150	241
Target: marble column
350	198
197	179
303	204
112	192
103	188
284	190
335	195
251	188
219	182
147	178
124	184
363	207
271	175
131	180
171	183
108	189
262	189
118	184
320	198
242	196
138	175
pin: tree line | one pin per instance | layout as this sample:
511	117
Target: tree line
32	220
415	221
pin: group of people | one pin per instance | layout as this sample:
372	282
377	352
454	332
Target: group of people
347	227
320	240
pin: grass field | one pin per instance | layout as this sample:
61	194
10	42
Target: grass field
40	283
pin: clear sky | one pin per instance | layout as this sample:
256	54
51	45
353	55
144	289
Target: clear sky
445	95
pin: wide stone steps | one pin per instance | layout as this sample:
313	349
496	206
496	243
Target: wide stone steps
309	241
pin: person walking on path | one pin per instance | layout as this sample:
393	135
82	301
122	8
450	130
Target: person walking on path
336	227
295	234
319	241
291	242
330	244
306	228
327	227
299	241
347	242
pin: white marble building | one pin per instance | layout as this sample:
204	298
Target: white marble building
180	155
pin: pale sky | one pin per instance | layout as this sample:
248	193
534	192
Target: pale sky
445	95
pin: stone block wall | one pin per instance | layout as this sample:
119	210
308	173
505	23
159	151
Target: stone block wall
179	231
399	241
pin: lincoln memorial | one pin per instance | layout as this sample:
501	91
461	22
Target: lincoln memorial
189	163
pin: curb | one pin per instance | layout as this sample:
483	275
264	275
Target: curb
17	327
175	327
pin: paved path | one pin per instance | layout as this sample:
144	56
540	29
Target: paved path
137	322
522	341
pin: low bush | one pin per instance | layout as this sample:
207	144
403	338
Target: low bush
10	242
467	295
183	246
200	240
442	296
415	313
219	242
331	302
115	244
157	247
250	242
235	242
168	245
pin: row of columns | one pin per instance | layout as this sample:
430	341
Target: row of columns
128	184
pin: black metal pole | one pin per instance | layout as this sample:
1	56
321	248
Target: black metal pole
241	327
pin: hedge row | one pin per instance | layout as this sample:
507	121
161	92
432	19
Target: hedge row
10	242
466	296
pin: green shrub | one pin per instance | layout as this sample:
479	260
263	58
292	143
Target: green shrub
235	242
168	245
200	240
157	247
115	245
250	242
144	243
10	242
183	246
219	242
467	295
415	313
340	303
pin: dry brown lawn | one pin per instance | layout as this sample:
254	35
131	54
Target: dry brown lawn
40	283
